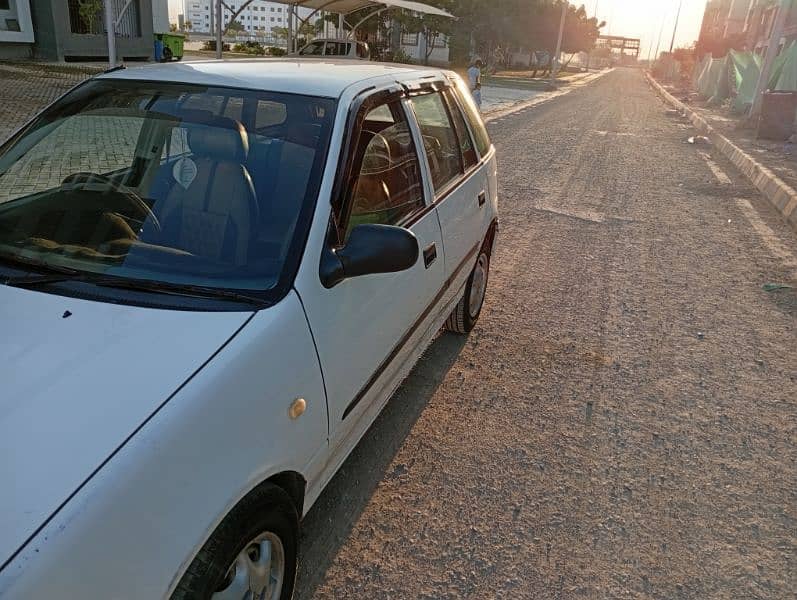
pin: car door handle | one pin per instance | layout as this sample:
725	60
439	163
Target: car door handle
430	255
482	199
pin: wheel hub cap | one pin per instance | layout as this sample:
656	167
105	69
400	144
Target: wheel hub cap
257	572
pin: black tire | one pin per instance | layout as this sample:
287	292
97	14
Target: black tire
167	54
462	319
266	509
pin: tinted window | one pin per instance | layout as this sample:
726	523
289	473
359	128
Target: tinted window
469	157
134	179
439	139
480	135
314	49
388	186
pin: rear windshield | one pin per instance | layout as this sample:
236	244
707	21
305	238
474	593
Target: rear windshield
182	184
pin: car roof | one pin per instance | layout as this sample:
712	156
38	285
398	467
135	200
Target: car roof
327	77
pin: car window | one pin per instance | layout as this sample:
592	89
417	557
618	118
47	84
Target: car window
336	49
439	140
469	157
388	185
143	180
313	49
474	118
270	113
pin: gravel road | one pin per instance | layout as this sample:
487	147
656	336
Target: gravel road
622	422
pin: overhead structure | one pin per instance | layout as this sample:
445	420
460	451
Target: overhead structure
341	7
619	44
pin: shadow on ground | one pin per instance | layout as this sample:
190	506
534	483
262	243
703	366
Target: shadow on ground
329	523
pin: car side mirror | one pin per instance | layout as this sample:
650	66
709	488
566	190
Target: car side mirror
370	249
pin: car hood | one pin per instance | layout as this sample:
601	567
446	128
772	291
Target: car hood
77	378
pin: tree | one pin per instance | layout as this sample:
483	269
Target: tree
433	27
234	25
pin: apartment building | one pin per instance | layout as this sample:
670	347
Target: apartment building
746	24
258	18
759	23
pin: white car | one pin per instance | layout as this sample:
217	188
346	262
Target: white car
345	48
213	276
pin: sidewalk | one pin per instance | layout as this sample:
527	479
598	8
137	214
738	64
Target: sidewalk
30	86
771	166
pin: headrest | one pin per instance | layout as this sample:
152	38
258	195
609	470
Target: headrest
219	138
303	134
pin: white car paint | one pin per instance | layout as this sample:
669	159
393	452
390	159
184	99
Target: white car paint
73	389
142	517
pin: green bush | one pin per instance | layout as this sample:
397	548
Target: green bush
250	47
211	46
400	57
276	51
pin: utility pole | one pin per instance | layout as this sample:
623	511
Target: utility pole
674	29
772	54
555	66
219	26
212	18
661	32
290	28
111	32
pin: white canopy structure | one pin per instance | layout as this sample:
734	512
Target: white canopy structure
345	7
341	7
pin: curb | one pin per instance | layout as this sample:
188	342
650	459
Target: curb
780	194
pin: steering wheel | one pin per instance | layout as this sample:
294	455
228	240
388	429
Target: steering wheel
132	197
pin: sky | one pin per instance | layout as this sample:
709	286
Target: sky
630	18
644	19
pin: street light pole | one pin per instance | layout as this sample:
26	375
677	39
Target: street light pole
111	32
772	54
219	26
674	29
555	67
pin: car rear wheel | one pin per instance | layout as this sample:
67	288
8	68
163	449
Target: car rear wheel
251	554
466	313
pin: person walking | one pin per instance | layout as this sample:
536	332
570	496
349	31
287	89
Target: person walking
475	81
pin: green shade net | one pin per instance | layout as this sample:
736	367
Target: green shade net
718	87
785	72
698	71
746	88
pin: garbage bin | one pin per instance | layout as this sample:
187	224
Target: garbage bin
172	44
778	112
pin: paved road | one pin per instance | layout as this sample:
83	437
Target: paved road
622	422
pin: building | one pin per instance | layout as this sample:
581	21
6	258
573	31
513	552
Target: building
259	18
744	24
64	30
759	23
16	29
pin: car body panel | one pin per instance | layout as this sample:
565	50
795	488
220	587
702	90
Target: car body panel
78	378
148	511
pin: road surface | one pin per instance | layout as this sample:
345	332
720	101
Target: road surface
621	424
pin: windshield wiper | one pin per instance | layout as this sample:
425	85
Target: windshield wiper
50	274
177	289
60	274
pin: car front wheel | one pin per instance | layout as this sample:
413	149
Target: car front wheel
251	554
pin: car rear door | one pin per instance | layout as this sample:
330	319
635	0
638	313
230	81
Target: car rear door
366	327
459	179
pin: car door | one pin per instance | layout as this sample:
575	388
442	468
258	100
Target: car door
460	186
366	327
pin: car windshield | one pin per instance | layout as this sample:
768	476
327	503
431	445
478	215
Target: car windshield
181	184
